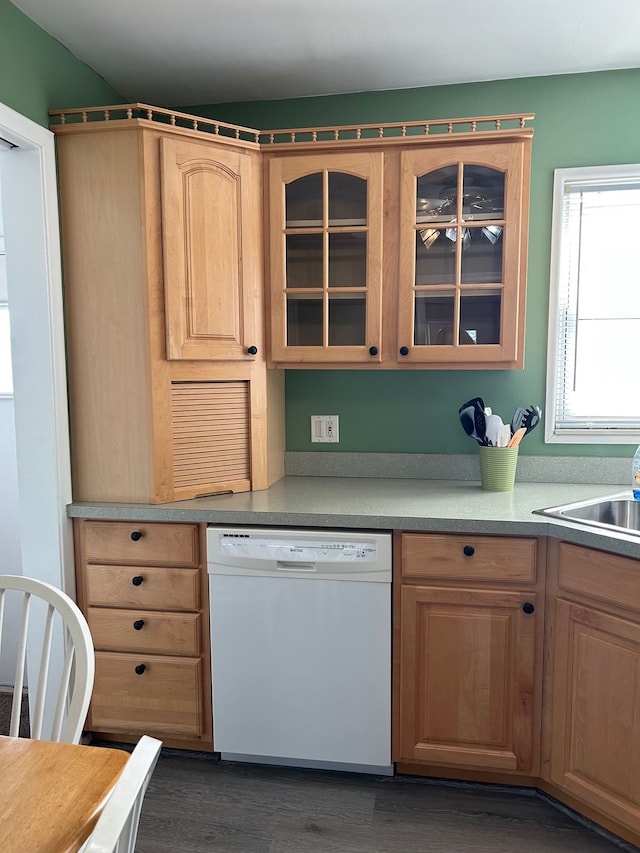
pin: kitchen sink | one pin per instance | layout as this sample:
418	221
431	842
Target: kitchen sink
620	513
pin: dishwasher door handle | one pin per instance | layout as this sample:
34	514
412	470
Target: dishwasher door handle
292	566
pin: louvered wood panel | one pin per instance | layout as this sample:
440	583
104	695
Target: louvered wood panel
210	430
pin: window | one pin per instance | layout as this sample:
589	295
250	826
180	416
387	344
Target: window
593	392
6	379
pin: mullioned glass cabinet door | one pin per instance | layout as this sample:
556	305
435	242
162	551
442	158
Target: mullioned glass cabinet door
462	257
325	221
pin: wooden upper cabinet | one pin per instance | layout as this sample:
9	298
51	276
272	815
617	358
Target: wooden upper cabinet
325	221
463	238
211	228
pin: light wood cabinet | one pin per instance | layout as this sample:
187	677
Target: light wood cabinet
468	663
162	241
463	253
401	254
144	590
592	744
325	222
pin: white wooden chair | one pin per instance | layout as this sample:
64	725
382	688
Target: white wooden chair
58	702
117	827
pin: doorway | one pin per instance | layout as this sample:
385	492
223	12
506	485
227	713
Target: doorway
34	284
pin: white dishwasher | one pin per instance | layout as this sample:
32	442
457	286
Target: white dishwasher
301	647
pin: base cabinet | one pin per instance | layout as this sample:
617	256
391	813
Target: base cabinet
594	732
468	670
144	590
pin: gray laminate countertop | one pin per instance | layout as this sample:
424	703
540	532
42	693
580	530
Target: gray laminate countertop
448	506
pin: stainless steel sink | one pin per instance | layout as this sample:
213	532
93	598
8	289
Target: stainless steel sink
616	512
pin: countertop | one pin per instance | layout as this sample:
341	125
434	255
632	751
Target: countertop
445	506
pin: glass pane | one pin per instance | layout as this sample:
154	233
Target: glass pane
348	260
483	190
303	202
480	318
482	255
304	321
347	321
347	199
437	193
304	260
433	324
435	256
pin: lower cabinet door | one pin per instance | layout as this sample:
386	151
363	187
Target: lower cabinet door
152	694
595	751
468	687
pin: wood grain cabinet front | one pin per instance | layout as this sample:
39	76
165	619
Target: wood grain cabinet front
144	590
467	671
169	393
592	748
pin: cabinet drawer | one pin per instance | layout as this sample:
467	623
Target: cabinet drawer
453	557
148	587
608	577
152	544
145	631
165	699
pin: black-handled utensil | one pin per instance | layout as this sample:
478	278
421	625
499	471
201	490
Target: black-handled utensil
532	418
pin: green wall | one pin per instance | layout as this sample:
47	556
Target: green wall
38	74
581	119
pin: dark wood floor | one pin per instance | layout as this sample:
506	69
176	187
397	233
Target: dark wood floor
196	804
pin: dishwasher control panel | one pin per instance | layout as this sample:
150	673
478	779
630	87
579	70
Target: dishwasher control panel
277	551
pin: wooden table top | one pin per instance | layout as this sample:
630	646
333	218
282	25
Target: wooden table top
51	794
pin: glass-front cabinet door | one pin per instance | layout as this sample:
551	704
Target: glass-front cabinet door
462	254
325	220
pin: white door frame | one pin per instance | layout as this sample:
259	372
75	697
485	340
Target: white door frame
34	280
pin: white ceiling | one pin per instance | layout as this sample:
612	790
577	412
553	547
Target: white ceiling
169	53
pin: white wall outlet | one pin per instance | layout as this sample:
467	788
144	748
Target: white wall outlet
325	429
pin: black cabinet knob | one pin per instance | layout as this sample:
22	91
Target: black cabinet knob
136	580
468	550
373	350
252	350
528	607
140	669
136	535
404	350
138	624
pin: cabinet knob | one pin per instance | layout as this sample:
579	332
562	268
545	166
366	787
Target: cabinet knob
136	580
136	535
252	350
404	350
138	624
468	550
528	607
140	669
373	350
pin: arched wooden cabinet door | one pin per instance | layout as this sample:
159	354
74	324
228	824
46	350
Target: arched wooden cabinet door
325	220
211	234
462	278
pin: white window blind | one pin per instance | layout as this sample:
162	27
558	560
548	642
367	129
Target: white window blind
593	381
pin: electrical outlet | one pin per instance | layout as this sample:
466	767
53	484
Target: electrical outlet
325	429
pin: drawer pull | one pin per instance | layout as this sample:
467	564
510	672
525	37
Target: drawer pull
136	580
136	535
468	550
140	669
528	607
138	624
